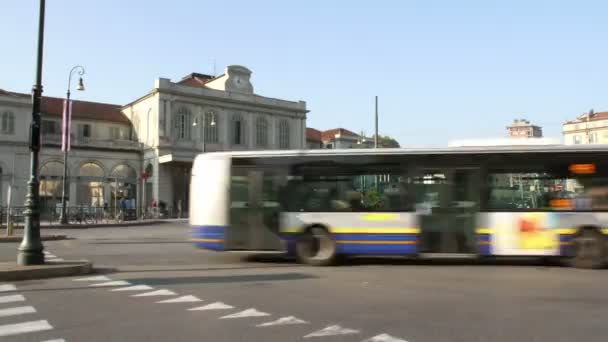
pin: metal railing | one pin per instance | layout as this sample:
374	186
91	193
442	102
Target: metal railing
79	215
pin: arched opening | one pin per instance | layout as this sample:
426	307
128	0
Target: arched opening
124	190
51	181
90	185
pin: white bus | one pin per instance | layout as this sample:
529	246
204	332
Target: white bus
318	205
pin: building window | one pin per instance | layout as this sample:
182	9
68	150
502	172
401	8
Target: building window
90	187
50	127
283	134
162	120
261	132
8	123
115	133
84	131
593	138
182	124
50	184
211	128
577	139
237	130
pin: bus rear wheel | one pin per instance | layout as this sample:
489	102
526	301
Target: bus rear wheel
316	247
589	250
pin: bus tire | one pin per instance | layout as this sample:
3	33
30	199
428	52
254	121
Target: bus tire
316	247
589	249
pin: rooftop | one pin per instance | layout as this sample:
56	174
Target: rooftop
313	134
196	79
85	110
589	116
331	133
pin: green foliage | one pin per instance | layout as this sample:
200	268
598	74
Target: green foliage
387	142
373	199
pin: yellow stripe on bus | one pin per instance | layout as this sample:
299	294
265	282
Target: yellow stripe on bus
374	230
360	230
376	242
484	230
380	217
565	231
605	230
206	240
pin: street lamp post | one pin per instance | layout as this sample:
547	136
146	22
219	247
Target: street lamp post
63	218
30	250
212	123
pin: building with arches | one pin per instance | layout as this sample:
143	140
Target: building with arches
160	133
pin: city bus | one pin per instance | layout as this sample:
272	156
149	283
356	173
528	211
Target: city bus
322	205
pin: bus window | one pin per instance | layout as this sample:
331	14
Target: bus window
544	191
349	193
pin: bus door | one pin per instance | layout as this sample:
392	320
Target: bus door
447	202
254	211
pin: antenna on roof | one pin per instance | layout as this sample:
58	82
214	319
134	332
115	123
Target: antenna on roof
214	73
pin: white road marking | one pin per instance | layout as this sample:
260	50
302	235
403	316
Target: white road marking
49	256
246	313
94	278
183	299
213	306
46	252
134	288
283	321
19	310
22	328
332	331
163	292
11	299
384	338
112	283
7	287
56	259
57	340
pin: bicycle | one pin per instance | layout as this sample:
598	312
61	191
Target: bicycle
81	218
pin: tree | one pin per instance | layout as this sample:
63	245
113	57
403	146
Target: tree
387	142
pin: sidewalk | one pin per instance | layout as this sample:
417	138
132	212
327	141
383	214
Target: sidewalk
134	223
53	267
44	237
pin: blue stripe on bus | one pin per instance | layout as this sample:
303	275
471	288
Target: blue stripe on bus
484	237
198	231
209	237
565	247
214	246
378	249
376	237
485	249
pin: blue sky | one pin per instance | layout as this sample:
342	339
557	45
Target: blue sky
443	70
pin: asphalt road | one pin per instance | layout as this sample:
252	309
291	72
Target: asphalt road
364	300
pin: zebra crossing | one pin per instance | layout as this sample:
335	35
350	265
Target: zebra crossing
16	317
143	291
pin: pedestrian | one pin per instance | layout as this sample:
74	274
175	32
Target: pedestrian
179	208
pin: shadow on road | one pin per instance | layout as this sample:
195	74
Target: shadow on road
222	279
408	261
138	242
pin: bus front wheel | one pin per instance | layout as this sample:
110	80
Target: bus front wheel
589	250
316	247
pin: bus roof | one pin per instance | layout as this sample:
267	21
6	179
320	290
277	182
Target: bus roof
414	151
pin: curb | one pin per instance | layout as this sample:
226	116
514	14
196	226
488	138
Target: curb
48	270
43	238
102	225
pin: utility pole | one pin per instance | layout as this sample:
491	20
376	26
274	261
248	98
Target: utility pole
376	136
